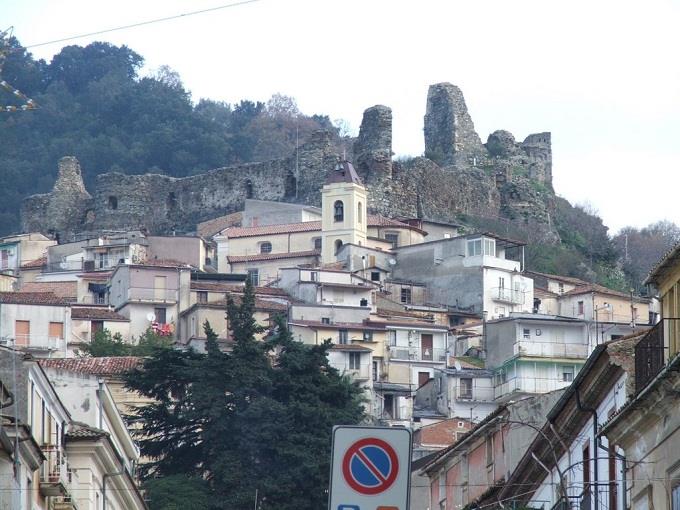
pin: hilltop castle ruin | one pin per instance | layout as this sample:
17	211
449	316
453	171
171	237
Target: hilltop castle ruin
459	175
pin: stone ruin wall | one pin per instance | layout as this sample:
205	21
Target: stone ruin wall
459	175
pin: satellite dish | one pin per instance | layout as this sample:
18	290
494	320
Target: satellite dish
456	364
151	317
391	262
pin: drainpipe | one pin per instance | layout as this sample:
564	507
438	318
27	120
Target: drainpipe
100	393
106	477
593	411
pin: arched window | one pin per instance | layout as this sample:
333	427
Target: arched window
113	203
266	247
359	213
338	211
338	245
249	189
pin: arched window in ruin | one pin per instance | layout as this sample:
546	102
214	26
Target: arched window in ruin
338	211
113	202
249	189
360	213
338	245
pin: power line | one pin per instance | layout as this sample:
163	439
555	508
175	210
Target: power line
142	23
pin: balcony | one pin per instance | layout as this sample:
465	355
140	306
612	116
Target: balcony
415	354
38	342
474	394
53	473
531	385
515	297
152	295
359	372
550	349
651	351
64	266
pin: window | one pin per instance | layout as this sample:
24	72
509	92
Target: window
580	308
368	336
392	238
375	276
406	295
490	247
675	498
474	247
375	371
4	259
526	333
501	282
317	243
354	360
567	374
160	315
249	189
343	336
113	203
560	287
202	296
539	332
360	213
266	247
314	276
55	330
254	276
325	320
586	467
465	388
338	245
338	211
392	338
489	450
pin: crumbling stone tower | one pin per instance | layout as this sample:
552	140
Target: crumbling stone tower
373	147
66	210
450	136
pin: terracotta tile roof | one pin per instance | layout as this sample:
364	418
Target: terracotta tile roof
162	263
94	366
211	227
598	289
273	256
338	325
230	287
350	347
307	226
82	431
33	298
559	278
95	313
68	290
343	172
35	264
260	304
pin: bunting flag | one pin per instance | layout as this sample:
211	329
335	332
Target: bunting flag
28	103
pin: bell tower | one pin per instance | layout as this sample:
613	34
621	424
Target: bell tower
343	211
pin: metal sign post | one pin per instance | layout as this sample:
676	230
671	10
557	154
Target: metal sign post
370	468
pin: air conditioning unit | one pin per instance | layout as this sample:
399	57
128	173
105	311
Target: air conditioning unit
88	265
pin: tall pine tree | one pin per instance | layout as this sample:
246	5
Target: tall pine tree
256	419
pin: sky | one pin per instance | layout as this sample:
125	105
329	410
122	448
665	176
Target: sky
601	75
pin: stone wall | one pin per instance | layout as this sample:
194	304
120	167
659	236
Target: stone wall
460	177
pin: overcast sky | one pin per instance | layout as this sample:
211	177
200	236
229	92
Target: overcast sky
602	76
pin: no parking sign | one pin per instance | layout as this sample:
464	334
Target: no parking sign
370	468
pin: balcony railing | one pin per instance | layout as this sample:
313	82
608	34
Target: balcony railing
152	295
474	394
53	472
507	295
361	371
66	265
37	342
651	352
551	349
416	354
529	385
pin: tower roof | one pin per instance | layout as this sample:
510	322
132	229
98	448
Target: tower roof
343	172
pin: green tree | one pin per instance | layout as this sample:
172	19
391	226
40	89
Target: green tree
256	419
179	492
105	344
